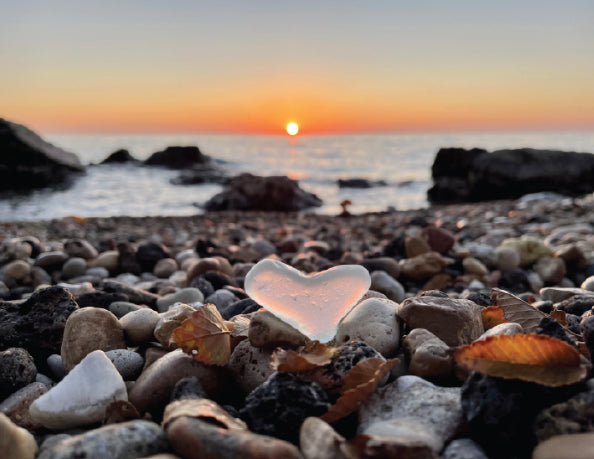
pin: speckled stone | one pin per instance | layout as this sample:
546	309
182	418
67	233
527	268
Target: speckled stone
132	439
87	330
250	366
128	363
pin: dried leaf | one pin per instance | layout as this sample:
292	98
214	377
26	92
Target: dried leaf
205	336
493	315
516	310
529	357
360	382
313	355
560	317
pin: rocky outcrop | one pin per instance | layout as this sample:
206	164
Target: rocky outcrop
27	161
252	192
461	175
119	157
359	183
178	158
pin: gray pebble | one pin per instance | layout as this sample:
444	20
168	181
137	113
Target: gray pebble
221	299
185	295
54	362
74	267
121	308
98	271
128	363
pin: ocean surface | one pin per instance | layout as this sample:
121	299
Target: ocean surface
403	161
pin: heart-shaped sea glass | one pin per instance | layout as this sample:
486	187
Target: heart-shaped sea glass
313	304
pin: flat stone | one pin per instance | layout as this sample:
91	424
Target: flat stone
455	321
424	266
267	330
474	266
414	245
428	356
16	442
408	428
135	295
139	326
373	322
132	439
153	387
438	409
386	264
165	267
109	260
16	407
186	295
557	294
87	330
575	446
196	438
82	396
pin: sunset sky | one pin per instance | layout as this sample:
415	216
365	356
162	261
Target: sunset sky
332	66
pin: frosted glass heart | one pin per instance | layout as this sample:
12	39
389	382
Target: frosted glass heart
313	304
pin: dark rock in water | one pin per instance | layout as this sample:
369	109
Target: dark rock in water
17	369
149	254
251	192
178	158
198	174
359	183
27	161
118	157
37	324
281	404
461	175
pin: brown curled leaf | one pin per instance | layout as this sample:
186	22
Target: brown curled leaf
360	382
313	355
205	336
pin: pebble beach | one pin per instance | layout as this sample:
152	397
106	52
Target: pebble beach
89	367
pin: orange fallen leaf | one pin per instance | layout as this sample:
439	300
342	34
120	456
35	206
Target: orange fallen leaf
205	336
529	357
559	316
313	355
360	382
492	316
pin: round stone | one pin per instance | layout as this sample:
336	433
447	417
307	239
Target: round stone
508	258
185	295
17	269
87	330
74	267
164	268
139	326
128	363
80	248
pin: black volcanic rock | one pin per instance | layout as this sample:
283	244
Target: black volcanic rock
252	192
27	161
461	175
119	156
178	158
359	183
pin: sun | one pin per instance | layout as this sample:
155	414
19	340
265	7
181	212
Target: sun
292	128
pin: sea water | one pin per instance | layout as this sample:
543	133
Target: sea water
403	161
